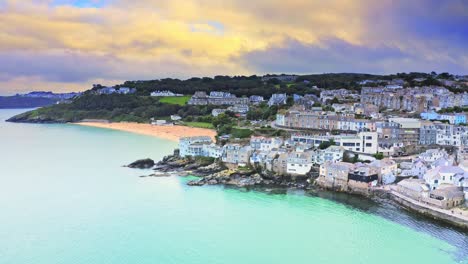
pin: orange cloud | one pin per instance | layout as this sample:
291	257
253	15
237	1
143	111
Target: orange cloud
158	38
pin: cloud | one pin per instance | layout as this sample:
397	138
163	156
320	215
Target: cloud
76	41
335	55
331	55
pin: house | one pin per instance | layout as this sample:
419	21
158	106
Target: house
212	150
431	155
446	197
299	163
332	153
413	188
186	148
335	175
161	122
126	90
256	99
258	157
393	86
454	119
216	94
442	162
265	143
277	99
175	117
417	168
321	120
407	123
307	101
366	109
386	170
236	154
280	164
241	109
388	134
340	94
362	177
347	108
462	153
217	98
106	90
442	175
362	142
217	111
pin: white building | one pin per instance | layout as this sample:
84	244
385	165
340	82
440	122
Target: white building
265	143
299	163
417	168
431	155
193	146
236	154
387	170
212	150
332	153
175	117
217	111
277	99
362	142
443	175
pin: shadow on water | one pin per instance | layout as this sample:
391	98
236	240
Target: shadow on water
387	209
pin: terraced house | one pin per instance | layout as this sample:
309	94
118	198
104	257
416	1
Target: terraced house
217	98
319	120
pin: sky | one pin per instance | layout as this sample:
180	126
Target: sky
68	45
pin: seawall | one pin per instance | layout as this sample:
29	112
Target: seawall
431	213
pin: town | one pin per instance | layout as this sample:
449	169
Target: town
404	136
407	141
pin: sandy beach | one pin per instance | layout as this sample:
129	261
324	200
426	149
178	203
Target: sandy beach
166	132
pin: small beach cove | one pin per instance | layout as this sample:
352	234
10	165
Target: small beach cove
169	132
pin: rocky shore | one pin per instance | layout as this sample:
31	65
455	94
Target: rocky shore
212	172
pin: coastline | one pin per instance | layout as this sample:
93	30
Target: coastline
212	174
173	133
215	173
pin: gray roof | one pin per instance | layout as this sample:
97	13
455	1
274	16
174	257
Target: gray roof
448	192
414	184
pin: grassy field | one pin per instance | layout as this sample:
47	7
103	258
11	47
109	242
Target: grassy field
179	100
200	124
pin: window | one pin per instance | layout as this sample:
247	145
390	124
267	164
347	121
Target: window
368	144
368	137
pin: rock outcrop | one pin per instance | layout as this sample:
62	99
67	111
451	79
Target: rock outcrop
251	179
142	164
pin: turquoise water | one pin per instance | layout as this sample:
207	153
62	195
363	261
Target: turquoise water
65	198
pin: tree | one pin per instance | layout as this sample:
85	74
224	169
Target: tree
379	155
328	108
316	104
221	119
335	101
326	144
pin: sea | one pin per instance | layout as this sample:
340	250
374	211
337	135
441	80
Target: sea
66	199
